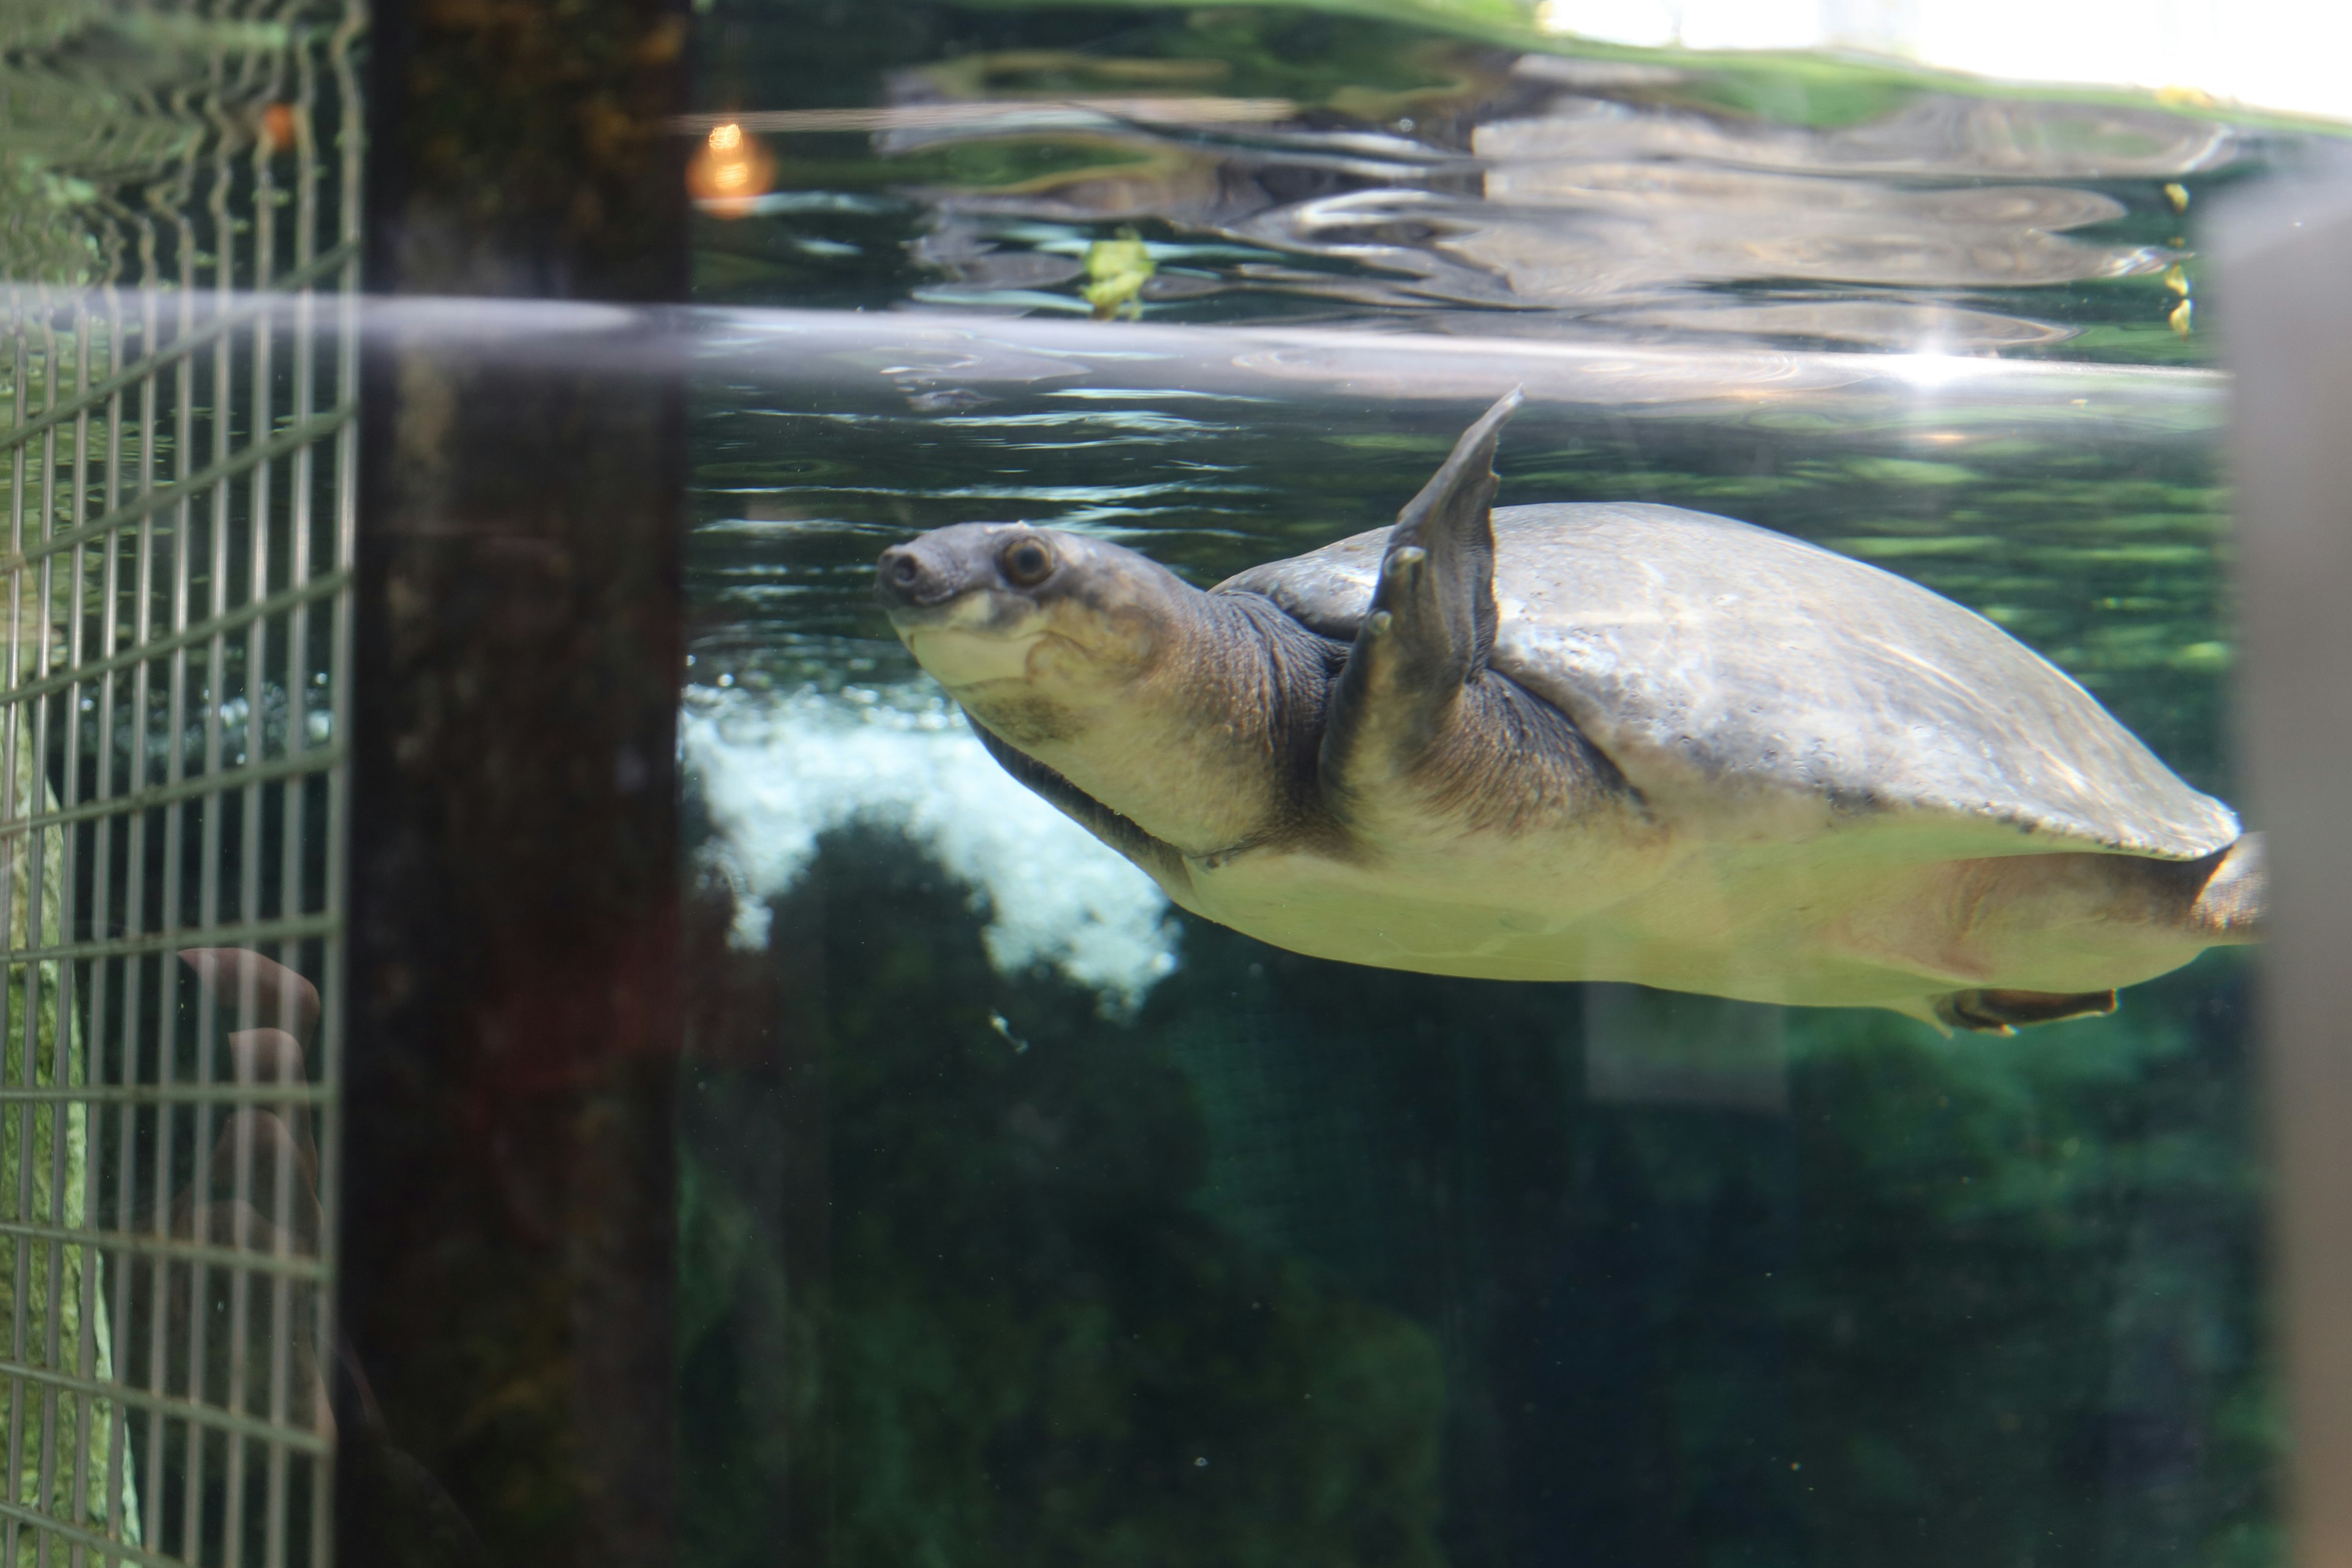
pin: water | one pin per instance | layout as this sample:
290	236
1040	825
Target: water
1028	1220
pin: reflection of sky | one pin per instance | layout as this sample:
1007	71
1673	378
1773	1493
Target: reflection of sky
2278	54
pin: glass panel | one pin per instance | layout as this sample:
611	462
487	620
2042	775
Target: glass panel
1027	1216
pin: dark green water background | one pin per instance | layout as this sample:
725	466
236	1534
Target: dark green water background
1298	1263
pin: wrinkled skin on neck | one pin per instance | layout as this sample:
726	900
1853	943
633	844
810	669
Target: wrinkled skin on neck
1195	716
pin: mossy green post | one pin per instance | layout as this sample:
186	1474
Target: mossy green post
52	1293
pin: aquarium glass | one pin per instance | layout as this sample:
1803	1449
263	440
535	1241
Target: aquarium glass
1026	1219
1021	1216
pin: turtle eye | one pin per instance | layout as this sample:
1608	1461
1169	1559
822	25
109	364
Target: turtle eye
1027	563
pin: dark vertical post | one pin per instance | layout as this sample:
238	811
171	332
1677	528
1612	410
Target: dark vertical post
2287	329
507	1213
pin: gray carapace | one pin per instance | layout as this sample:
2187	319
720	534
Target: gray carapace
1589	743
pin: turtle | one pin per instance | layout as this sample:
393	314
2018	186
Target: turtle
1588	741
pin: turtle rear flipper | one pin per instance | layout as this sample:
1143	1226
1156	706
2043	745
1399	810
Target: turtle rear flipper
1431	628
2006	1012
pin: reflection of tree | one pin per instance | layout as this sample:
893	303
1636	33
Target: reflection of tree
2028	1301
1960	1302
992	1328
53	1294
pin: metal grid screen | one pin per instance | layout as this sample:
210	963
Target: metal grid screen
177	445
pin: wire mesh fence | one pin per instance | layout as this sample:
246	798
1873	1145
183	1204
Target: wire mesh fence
177	376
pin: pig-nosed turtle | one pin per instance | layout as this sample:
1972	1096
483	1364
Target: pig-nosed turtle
1589	743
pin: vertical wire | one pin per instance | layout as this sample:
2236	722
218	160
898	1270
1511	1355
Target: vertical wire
125	628
134	903
122	1467
35	890
171	913
291	842
20	1265
247	903
10	748
209	800
61	1030
64	1069
20	1249
291	859
328	1123
259	532
36	896
93	1265
255	533
161	404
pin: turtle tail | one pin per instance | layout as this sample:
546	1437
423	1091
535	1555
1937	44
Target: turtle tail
2233	904
2222	898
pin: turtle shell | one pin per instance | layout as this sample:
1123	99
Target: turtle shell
1723	664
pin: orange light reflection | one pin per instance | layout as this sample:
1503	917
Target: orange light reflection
730	172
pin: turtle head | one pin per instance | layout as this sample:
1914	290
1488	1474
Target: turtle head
1038	632
1139	690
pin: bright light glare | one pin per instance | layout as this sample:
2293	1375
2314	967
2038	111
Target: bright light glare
2272	53
1931	368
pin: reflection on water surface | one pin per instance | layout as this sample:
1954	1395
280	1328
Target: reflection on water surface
1391	180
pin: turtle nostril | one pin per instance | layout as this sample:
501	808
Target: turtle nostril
899	575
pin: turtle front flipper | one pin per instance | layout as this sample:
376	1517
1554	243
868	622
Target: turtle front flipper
1430	626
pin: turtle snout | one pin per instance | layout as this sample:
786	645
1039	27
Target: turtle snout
908	576
1003	564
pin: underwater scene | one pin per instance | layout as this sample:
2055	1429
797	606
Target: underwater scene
1027	1218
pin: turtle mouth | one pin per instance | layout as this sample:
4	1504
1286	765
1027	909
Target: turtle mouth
980	611
971	638
958	658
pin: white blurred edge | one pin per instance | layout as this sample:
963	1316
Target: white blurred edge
2285	327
